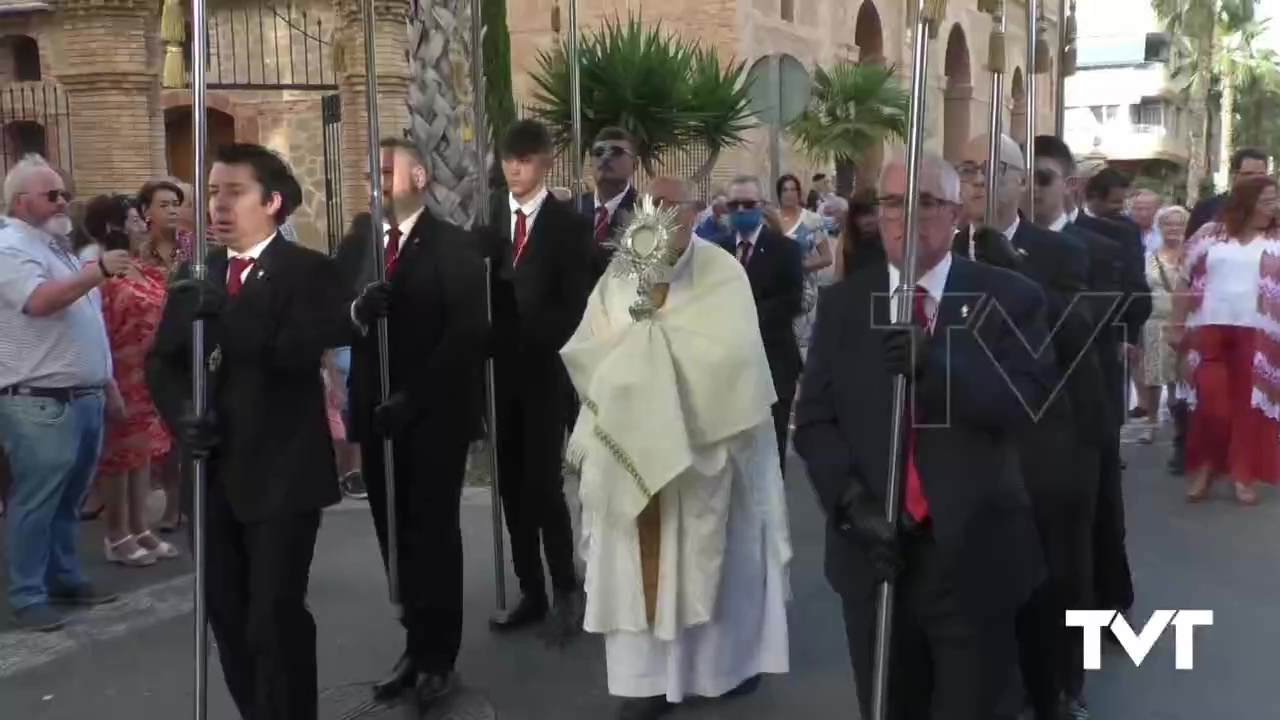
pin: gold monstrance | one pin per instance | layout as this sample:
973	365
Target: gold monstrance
647	251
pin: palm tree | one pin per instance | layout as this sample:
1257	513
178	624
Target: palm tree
441	116
669	94
853	108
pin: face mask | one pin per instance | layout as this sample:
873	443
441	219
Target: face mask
58	226
746	220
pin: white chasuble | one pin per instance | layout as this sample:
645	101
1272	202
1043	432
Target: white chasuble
676	410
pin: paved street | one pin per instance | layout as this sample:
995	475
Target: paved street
133	659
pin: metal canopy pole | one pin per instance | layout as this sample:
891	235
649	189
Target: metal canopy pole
1029	146
996	66
377	252
928	13
1060	72
575	101
200	467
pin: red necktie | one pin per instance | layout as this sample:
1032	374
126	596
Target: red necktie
519	237
236	268
602	224
393	247
744	252
916	503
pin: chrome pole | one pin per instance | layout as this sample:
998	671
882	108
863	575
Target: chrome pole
1033	83
483	137
1060	73
199	384
996	121
575	102
377	252
928	13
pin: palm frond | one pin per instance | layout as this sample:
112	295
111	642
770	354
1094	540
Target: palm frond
853	108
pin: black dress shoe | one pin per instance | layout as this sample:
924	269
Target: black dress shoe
649	708
565	621
526	612
399	682
433	689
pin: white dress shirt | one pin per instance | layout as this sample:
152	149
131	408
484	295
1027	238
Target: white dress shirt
251	254
613	203
530	207
1060	223
406	227
1008	234
751	243
934	282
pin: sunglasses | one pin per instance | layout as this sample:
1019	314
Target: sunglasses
742	204
53	195
608	150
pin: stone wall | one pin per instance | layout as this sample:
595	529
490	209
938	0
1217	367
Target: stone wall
292	127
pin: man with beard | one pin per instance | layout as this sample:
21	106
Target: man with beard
1059	264
541	276
270	309
55	381
1104	194
434	301
1097	433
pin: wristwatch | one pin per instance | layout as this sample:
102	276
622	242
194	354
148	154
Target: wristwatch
102	268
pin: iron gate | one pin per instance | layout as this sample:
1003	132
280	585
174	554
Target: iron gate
35	118
331	124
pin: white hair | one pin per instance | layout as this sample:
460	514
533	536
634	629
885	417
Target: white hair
19	176
835	202
1169	211
948	178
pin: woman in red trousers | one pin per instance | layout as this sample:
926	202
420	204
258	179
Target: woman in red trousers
1229	305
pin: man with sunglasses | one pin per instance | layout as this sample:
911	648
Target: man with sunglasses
965	556
1059	265
613	156
55	367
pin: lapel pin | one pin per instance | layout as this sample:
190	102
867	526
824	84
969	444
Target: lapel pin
259	274
1022	251
964	311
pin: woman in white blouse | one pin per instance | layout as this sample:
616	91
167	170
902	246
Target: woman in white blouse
1229	305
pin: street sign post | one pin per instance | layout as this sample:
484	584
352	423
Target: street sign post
779	88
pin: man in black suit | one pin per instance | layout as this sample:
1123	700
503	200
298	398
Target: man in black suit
434	301
1245	163
271	309
966	557
541	257
614	156
1104	194
775	268
1059	265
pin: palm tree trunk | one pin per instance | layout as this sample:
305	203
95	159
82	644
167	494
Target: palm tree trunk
1198	112
1225	132
845	174
441	116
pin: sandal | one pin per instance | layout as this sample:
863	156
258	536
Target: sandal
1245	494
158	548
1198	488
128	552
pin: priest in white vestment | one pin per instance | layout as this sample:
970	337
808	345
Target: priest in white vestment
684	517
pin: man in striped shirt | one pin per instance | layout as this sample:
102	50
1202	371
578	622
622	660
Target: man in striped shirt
55	382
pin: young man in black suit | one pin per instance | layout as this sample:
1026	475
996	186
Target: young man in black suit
1058	490
614	156
541	259
1245	163
967	556
434	301
774	266
271	309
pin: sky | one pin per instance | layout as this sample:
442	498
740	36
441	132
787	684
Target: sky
1270	9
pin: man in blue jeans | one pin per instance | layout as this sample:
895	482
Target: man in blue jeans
55	378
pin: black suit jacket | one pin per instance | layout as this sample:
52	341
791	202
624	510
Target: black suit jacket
971	403
602	254
1106	293
776	272
539	300
1136	304
276	454
438	328
1205	212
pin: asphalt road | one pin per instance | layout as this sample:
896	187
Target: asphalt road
134	659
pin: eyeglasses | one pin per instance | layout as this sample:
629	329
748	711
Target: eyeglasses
53	195
897	203
974	173
603	150
742	204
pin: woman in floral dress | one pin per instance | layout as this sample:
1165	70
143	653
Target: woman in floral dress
135	439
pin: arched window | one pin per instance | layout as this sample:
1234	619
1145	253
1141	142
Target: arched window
26	58
22	137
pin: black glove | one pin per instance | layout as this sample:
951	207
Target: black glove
993	248
899	359
394	415
197	299
860	518
198	434
374	303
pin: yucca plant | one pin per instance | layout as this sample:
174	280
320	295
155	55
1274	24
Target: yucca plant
852	109
667	92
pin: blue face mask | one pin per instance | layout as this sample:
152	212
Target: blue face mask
746	220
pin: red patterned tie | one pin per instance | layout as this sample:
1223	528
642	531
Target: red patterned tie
916	503
236	268
393	247
602	224
519	237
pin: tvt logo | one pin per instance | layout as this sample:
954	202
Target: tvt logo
1137	645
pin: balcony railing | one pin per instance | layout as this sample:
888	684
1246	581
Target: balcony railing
264	46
